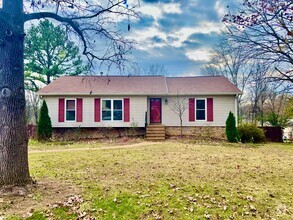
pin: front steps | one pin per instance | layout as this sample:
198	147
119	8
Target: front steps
155	132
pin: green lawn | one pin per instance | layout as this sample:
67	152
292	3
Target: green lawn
168	180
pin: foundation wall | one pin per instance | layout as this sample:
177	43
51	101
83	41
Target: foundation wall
96	133
197	132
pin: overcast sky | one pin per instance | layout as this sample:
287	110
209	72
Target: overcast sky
177	34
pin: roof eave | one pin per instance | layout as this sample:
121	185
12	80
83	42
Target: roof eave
137	94
99	94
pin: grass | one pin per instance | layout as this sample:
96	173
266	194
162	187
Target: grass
169	180
34	145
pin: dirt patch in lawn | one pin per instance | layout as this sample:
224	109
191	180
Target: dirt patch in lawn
34	145
104	147
39	196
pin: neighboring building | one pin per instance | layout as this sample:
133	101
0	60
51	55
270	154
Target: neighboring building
288	131
138	101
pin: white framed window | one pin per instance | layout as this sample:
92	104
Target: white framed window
112	109
201	109
70	109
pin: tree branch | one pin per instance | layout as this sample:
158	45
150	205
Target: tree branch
74	25
93	20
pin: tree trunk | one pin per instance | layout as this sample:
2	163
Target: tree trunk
48	79
254	110
181	132
13	132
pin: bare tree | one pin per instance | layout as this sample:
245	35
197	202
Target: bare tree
153	70
93	22
266	29
178	104
32	107
277	97
265	95
258	90
137	70
232	61
156	70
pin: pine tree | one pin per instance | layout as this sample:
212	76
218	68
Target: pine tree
231	130
44	124
56	55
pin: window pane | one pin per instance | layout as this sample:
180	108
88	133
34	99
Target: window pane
117	104
106	115
106	105
200	115
70	115
200	104
117	115
70	104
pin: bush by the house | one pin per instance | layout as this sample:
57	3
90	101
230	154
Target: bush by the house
250	133
44	124
231	130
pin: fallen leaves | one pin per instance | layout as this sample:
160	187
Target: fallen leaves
250	198
174	181
73	207
282	209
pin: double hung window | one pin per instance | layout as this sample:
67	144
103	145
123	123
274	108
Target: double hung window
70	110
200	109
112	110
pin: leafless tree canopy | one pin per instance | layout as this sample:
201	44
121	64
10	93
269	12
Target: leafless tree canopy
152	70
232	61
251	74
178	104
94	22
266	29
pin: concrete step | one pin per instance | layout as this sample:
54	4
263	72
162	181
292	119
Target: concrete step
156	125
155	132
156	136
155	128
155	139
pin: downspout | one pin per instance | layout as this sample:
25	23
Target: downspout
166	97
236	109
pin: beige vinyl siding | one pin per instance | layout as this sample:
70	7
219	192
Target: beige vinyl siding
222	106
138	107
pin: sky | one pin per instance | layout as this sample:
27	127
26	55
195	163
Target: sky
178	35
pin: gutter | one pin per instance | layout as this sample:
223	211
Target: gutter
137	94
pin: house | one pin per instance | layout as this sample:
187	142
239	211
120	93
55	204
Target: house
288	131
140	102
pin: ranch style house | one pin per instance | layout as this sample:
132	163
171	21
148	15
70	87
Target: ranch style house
143	102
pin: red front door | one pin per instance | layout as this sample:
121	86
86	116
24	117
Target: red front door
155	104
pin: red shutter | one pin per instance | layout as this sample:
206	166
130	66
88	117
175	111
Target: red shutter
191	110
97	110
126	110
61	110
210	109
79	110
